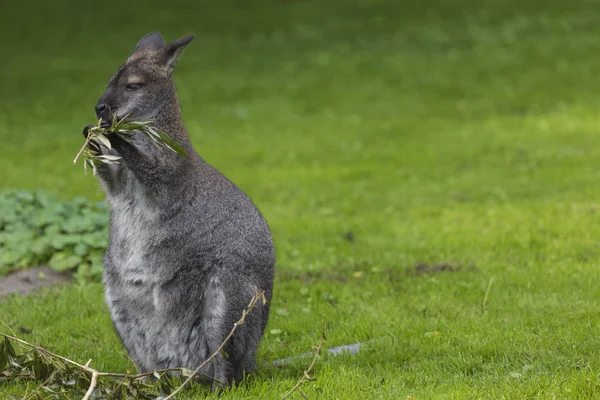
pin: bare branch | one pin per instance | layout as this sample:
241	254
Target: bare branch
93	384
87	141
305	376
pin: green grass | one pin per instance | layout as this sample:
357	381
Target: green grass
434	133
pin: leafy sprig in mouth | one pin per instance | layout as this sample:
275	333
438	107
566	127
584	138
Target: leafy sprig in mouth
97	136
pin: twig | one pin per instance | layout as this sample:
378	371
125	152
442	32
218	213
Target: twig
93	384
8	327
145	374
487	292
137	371
258	296
305	375
87	141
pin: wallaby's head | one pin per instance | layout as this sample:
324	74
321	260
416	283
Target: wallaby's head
143	86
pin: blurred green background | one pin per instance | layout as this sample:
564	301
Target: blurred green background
373	135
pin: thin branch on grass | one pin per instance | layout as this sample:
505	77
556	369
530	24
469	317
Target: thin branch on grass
258	296
95	374
137	371
487	293
305	376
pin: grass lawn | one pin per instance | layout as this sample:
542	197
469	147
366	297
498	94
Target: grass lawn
433	133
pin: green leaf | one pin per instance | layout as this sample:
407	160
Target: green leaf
153	133
186	372
104	140
171	143
81	249
9	347
64	262
134	126
38	367
109	157
3	355
126	137
118	126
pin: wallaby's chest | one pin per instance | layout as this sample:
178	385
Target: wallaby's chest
135	227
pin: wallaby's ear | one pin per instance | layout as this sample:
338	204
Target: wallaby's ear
152	41
173	52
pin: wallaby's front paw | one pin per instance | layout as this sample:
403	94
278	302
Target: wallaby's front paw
103	124
87	129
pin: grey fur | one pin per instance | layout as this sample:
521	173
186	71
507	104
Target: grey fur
187	248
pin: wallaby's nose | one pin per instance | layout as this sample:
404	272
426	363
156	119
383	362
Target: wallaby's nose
101	109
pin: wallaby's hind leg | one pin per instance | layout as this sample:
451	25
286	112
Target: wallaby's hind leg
245	344
244	367
234	361
219	373
237	355
215	330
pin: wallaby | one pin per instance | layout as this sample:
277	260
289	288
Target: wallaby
187	248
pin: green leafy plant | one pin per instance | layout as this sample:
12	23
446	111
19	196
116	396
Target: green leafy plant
38	229
97	136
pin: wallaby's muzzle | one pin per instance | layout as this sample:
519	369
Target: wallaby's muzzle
102	111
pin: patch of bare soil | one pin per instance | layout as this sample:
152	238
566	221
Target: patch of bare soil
424	269
311	276
31	280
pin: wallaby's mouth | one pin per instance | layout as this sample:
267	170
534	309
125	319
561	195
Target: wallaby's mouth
107	119
106	113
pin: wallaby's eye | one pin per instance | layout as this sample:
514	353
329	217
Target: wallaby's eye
133	86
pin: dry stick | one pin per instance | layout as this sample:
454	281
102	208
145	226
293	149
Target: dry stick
487	292
87	140
96	374
258	296
93	384
137	371
7	327
305	375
